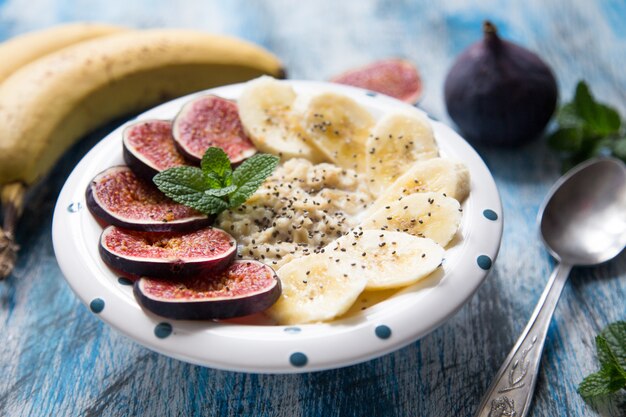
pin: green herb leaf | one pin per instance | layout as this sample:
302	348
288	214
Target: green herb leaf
568	116
188	186
567	139
221	192
180	181
600	119
611	346
615	336
215	187
216	165
586	129
599	383
250	175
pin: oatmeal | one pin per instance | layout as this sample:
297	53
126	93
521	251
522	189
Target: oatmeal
299	209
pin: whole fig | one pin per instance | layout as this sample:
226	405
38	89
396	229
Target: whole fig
500	93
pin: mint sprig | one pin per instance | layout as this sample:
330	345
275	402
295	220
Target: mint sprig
611	347
586	129
215	187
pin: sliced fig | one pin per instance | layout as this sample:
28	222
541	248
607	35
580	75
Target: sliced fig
149	148
246	287
117	196
394	77
167	255
211	121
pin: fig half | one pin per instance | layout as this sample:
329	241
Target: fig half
167	255
149	148
211	121
246	287
397	78
117	196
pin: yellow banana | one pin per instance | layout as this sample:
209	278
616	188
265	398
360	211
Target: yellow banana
51	102
48	104
23	49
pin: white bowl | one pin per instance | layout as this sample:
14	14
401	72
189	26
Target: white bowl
252	347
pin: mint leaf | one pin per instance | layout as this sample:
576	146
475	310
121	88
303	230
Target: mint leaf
213	180
611	346
566	139
215	187
599	383
615	336
216	165
221	192
188	186
599	118
568	116
250	175
181	180
611	369
587	129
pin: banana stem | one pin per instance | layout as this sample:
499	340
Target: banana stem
12	199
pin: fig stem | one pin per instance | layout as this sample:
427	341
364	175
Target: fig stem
492	40
489	28
12	199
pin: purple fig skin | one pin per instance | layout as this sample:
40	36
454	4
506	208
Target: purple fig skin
138	166
499	93
107	217
210	307
166	269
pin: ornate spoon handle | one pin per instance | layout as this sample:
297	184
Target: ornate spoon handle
510	393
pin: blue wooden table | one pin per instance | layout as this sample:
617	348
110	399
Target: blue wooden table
57	359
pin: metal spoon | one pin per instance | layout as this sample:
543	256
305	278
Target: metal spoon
582	222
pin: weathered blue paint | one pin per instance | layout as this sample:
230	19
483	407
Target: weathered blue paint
57	358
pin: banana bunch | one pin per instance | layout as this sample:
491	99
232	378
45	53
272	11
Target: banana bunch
23	49
402	236
58	84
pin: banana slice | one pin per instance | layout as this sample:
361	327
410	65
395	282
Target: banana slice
338	126
314	289
386	259
437	175
428	215
265	109
397	141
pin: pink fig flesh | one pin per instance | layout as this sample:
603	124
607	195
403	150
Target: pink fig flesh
397	78
149	148
245	287
167	255
211	121
117	196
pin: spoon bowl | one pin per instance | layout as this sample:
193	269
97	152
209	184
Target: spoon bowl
582	222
